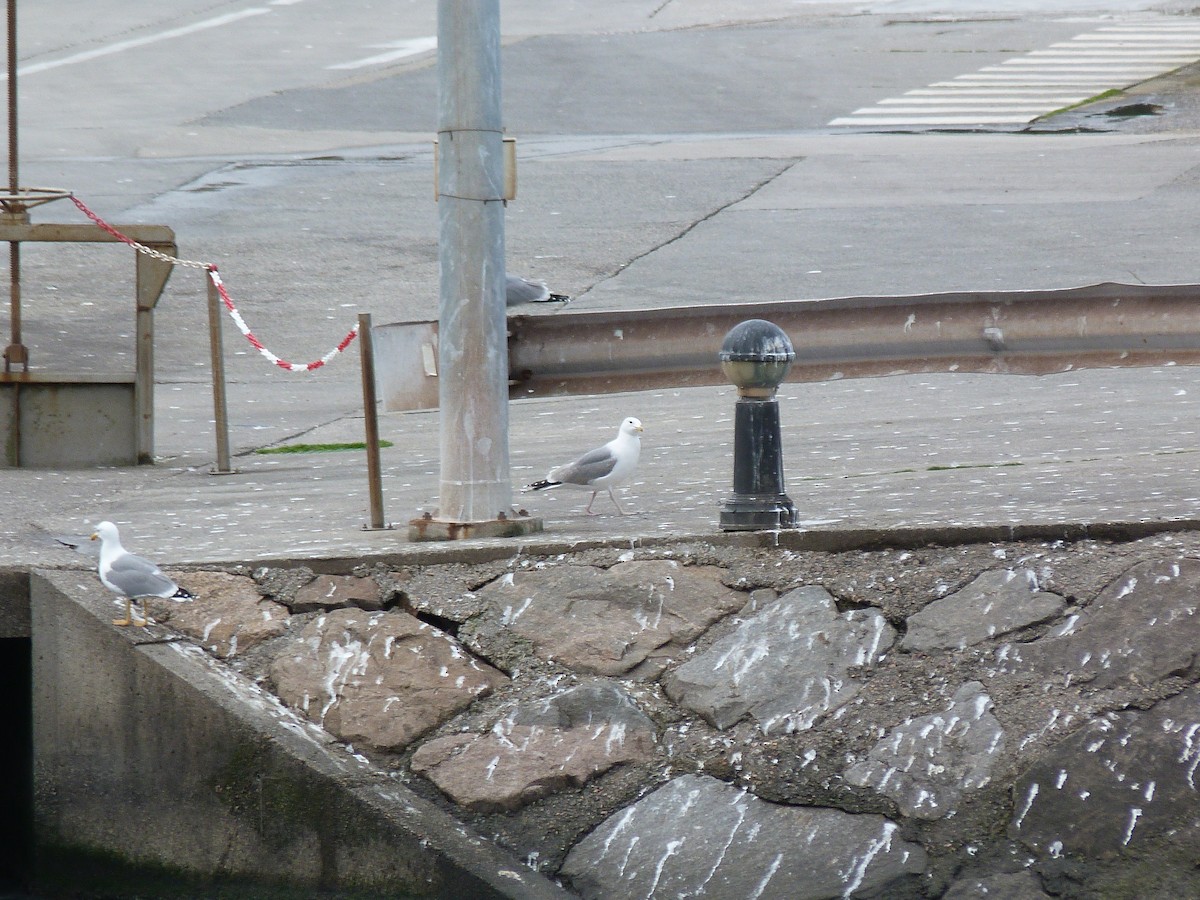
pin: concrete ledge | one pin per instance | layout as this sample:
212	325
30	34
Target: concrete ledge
158	770
830	539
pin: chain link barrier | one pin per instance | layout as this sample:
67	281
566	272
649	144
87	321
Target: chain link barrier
211	271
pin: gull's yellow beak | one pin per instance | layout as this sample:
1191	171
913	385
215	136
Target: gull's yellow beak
95	537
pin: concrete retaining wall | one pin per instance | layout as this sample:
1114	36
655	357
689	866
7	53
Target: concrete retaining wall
65	422
158	770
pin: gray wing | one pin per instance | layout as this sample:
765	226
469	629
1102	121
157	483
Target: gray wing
587	468
519	290
137	577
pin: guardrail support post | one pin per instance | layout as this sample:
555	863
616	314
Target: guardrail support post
756	356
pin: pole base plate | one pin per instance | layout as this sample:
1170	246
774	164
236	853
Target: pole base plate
428	528
758	513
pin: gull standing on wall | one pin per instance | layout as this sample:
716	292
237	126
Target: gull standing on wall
600	469
131	576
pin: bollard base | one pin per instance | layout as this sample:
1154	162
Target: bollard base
753	513
427	528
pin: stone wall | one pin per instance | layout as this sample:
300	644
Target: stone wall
1000	719
1003	719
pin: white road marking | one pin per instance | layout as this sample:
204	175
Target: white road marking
1019	90
122	46
940	120
1114	52
1048	93
963	97
396	50
987	112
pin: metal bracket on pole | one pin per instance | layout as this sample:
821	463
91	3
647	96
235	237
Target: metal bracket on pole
510	169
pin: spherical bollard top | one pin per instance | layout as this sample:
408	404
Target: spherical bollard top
756	356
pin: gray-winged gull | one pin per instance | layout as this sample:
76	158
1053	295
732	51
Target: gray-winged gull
600	469
131	576
518	290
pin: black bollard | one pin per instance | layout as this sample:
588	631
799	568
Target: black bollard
756	356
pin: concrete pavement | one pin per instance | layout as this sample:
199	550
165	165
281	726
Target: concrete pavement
1088	447
664	221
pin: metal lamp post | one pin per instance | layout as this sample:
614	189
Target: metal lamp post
475	497
755	357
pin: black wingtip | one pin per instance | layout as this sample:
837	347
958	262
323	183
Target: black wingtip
181	594
541	485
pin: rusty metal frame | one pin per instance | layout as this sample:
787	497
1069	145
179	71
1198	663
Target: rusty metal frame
1011	332
151	276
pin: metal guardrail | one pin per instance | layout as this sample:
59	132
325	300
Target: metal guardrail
1009	332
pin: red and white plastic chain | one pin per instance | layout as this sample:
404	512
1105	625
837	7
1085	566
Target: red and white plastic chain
225	298
245	329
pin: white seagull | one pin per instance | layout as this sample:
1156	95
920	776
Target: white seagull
518	290
602	468
131	576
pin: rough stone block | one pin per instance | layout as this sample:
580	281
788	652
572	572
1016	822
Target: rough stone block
379	679
785	667
699	837
993	604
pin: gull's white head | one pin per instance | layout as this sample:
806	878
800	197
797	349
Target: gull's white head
631	426
105	531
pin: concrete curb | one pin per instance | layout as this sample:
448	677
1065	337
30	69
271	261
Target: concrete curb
818	540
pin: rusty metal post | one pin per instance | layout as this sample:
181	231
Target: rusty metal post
475	493
151	274
16	352
371	420
13	159
143	382
220	409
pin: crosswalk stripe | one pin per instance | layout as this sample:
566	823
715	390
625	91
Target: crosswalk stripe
1125	44
1099	59
972	100
1115	68
1131	37
951	108
1017	91
1034	78
1112	52
932	120
1116	73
